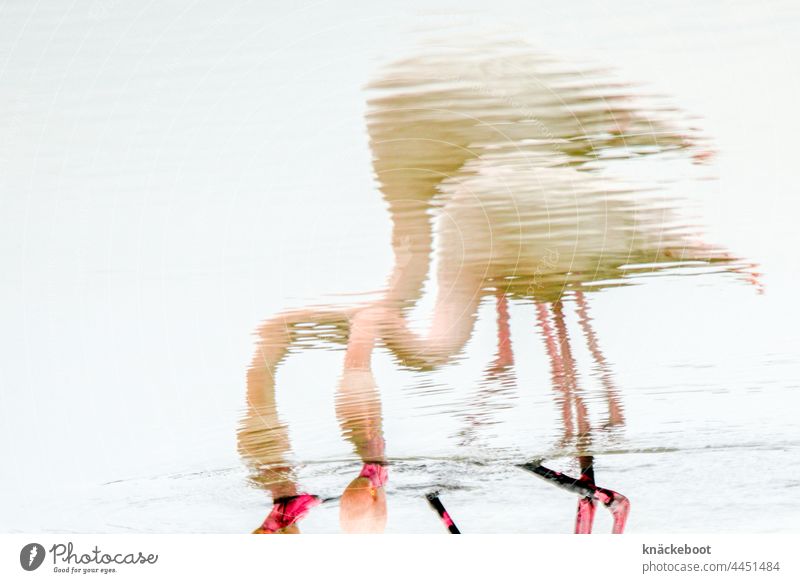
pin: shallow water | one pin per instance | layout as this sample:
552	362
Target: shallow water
174	180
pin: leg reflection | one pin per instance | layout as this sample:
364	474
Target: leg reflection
263	439
617	504
615	416
358	407
557	374
584	519
564	379
569	375
498	385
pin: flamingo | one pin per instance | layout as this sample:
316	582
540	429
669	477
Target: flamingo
496	161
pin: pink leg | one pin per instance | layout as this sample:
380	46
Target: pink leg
615	416
557	372
563	370
619	506
585	517
586	506
500	368
499	381
505	356
565	378
570	376
286	512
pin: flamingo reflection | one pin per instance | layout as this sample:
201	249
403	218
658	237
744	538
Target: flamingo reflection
497	163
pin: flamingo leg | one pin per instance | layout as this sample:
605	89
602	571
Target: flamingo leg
564	374
505	354
584	519
617	504
436	504
569	370
557	373
615	416
498	379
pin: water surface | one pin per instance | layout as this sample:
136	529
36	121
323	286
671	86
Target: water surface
577	241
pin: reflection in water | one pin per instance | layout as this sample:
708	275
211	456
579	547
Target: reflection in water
498	387
500	165
564	379
363	504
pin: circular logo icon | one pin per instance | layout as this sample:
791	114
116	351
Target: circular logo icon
31	556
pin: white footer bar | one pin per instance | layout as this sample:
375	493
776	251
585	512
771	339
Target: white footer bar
499	558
